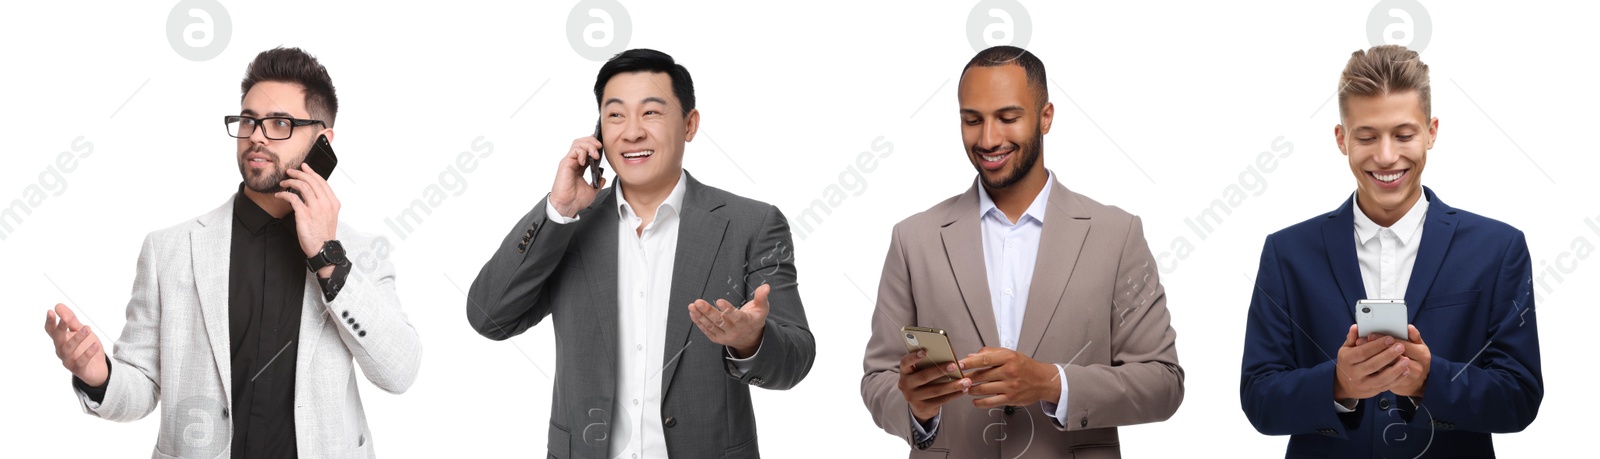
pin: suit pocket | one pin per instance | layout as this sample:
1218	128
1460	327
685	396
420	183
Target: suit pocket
1449	300
747	448
560	442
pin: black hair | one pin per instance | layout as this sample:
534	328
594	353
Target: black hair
1011	55
652	61
292	65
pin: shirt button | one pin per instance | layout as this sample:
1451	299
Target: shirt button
636	402
1008	291
641	294
638	346
1383	404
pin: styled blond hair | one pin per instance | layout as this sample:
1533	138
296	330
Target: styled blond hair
1381	70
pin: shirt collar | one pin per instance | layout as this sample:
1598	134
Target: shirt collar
670	207
1036	209
1408	225
252	216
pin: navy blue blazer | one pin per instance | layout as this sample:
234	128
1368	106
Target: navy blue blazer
1471	298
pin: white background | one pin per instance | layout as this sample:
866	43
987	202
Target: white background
1159	108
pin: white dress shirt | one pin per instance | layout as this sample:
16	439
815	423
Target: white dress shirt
1009	252
1386	256
645	259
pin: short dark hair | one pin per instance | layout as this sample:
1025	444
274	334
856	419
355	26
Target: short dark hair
292	65
652	61
1011	55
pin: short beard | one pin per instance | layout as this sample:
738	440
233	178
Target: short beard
260	181
1027	156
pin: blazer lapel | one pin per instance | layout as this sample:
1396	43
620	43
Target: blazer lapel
1438	229
1338	237
210	249
598	251
963	246
700	233
1066	225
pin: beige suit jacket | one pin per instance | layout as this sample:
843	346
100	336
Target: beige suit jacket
1095	305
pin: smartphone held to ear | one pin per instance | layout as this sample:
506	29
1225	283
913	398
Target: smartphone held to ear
321	159
595	171
937	345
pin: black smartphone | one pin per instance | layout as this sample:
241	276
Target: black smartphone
321	159
595	171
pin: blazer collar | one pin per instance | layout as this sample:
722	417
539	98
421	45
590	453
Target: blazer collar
210	247
1438	229
1066	226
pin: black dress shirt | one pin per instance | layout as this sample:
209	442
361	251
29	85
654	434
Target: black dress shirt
266	292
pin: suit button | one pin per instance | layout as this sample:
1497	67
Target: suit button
1010	410
355	326
1083	422
670	421
1383	403
351	320
346	314
363	334
224	413
756	381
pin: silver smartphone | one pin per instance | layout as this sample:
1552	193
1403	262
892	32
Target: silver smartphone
937	344
1384	317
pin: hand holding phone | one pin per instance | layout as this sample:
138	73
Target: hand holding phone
929	373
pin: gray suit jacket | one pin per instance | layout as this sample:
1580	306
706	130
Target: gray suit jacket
175	348
727	246
1095	305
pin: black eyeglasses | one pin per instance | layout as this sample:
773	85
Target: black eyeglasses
274	127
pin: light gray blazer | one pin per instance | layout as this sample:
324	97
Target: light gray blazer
727	246
175	348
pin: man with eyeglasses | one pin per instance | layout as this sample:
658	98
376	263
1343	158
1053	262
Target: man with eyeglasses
243	322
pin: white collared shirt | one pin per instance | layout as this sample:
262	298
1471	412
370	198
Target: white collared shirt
1010	251
644	286
1386	256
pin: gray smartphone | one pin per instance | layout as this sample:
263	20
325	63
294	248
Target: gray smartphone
937	344
595	171
1384	317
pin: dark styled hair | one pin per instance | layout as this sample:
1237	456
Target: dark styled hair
1011	55
652	61
292	65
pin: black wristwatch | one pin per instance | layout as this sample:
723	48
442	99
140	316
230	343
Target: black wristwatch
333	254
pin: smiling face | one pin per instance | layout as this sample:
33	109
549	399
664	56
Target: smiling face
643	128
262	161
1002	124
1386	139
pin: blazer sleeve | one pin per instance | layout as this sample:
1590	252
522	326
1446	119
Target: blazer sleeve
132	390
1143	383
787	346
880	381
508	296
371	323
1279	396
1500	390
